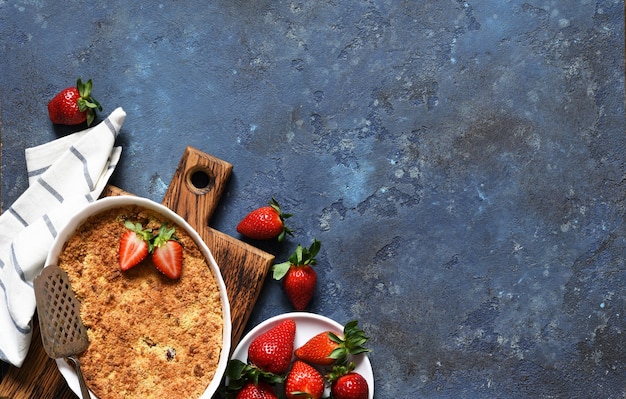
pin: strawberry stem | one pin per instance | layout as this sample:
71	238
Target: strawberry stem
86	102
239	373
164	235
301	256
286	230
338	371
144	234
352	343
154	240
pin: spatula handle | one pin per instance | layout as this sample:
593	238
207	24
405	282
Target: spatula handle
84	392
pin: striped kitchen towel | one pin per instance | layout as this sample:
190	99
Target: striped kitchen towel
64	175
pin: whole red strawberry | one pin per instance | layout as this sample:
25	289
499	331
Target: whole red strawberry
300	278
327	348
351	385
272	351
74	105
265	223
261	390
304	381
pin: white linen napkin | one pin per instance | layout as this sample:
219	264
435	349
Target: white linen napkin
64	175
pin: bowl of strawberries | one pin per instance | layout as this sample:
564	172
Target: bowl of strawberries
301	354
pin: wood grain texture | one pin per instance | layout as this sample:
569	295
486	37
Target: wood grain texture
38	377
243	267
195	199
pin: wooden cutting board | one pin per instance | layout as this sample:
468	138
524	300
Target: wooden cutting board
193	193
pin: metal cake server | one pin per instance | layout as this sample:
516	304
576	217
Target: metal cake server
62	331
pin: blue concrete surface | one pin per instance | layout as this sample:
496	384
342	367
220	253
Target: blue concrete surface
461	161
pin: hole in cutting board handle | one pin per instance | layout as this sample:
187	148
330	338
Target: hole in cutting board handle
199	180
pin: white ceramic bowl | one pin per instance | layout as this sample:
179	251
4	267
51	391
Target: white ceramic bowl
307	326
113	202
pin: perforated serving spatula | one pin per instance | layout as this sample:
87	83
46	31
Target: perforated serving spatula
62	331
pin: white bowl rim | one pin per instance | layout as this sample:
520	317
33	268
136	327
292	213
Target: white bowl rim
124	200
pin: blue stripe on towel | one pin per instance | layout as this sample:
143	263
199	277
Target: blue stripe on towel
83	160
108	124
37	172
26	330
50	189
18	269
18	216
50	226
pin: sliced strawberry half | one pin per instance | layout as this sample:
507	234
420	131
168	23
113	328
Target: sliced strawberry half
167	253
134	245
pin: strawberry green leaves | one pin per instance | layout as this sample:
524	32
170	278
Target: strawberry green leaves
86	103
137	243
299	278
301	256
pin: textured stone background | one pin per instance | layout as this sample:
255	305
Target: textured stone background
462	163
